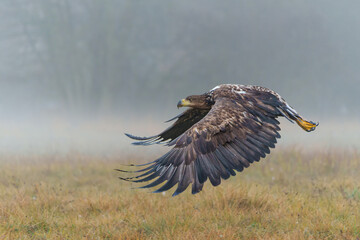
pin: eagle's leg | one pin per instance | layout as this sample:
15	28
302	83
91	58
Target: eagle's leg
304	124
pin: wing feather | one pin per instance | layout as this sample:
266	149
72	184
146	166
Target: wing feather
184	121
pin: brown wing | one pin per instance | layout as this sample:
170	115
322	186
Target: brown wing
184	121
230	137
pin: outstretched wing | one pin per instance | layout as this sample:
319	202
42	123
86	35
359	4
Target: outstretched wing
184	121
232	135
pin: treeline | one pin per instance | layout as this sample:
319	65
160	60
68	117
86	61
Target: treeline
102	55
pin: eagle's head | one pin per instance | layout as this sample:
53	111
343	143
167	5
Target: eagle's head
196	101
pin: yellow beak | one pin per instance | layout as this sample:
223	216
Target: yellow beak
183	103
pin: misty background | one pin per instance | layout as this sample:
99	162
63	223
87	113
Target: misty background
76	75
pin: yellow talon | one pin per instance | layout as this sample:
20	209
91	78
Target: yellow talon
306	125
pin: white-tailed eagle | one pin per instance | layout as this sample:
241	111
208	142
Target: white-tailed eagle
223	131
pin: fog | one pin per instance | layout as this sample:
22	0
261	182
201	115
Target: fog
76	75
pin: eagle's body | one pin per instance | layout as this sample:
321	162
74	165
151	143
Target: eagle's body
225	129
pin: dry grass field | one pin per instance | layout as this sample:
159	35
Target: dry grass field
291	194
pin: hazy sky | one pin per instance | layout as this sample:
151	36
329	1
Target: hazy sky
69	65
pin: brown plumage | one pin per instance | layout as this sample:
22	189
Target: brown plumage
224	130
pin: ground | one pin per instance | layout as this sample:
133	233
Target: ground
292	194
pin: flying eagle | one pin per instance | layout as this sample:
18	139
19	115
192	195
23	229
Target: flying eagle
225	129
